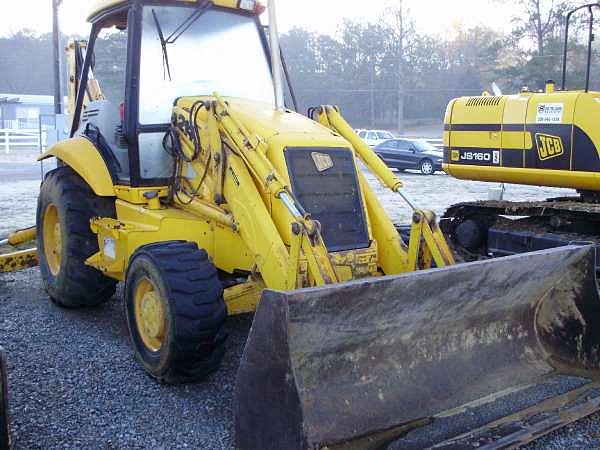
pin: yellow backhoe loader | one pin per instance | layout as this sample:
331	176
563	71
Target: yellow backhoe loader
199	189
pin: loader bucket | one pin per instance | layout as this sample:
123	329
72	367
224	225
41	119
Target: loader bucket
346	363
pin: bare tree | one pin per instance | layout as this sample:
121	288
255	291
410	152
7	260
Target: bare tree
401	36
401	27
541	20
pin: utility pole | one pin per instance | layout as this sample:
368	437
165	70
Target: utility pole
400	122
372	91
56	59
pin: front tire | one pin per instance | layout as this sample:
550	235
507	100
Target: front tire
175	311
64	240
426	167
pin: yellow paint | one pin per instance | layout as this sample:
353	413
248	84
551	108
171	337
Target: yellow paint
483	109
251	229
137	225
22	236
52	238
587	112
579	109
81	155
15	261
476	139
532	177
136	195
243	298
149	314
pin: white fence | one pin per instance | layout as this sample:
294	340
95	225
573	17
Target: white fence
13	137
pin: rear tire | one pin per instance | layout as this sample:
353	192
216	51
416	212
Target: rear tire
4	427
64	240
426	167
175	311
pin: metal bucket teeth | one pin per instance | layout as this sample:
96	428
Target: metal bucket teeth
329	366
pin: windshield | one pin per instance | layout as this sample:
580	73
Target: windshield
185	55
384	135
424	146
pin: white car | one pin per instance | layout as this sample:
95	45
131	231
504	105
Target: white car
374	137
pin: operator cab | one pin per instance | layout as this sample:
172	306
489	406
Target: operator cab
143	55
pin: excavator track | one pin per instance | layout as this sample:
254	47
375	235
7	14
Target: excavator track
568	206
501	228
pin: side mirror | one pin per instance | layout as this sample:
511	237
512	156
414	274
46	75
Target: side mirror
413	150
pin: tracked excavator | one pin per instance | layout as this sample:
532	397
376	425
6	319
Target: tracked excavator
201	190
546	138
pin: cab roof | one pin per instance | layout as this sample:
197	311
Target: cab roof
99	6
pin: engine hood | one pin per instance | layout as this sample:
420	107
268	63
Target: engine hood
262	119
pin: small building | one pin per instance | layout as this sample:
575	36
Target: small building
19	111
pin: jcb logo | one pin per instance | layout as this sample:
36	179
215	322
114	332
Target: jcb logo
548	146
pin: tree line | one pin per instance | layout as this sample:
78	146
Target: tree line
384	74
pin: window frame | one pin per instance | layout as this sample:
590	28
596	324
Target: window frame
405	142
132	127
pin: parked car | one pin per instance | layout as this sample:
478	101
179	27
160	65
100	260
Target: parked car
416	154
374	137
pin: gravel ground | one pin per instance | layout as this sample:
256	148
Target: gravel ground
74	382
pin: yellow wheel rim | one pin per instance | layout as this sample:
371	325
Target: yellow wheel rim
149	314
52	239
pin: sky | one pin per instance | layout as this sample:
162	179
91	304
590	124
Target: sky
437	17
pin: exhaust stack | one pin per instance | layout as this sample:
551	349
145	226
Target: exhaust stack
275	57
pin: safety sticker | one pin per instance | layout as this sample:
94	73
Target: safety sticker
549	112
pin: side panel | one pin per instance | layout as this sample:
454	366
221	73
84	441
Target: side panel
550	124
475	132
136	225
81	155
547	139
586	133
515	140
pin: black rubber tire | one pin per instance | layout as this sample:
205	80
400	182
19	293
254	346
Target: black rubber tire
192	297
75	285
425	163
4	416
